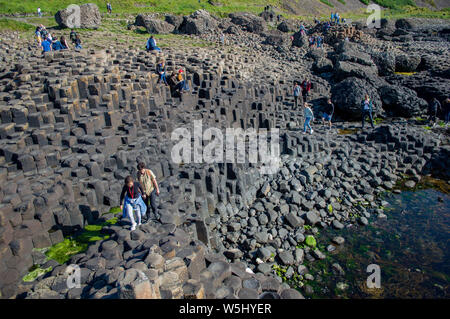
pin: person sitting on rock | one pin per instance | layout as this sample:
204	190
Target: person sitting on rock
161	71
78	43
150	186
328	113
44	32
309	116
297	90
366	106
151	45
46	45
180	82
56	45
131	201
433	108
326	27
306	87
64	44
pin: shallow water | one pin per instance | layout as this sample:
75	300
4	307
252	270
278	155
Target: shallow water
411	247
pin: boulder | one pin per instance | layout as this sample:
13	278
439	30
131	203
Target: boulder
174	20
300	40
153	25
407	62
287	26
249	22
345	69
348	94
275	38
401	101
385	61
322	65
199	22
90	17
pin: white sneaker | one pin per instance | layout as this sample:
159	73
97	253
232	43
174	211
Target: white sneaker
133	227
139	224
304	132
312	131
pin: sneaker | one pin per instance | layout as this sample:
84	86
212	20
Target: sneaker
304	132
312	131
133	227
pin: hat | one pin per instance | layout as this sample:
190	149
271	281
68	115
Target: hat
180	71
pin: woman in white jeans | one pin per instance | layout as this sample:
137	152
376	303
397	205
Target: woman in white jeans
131	201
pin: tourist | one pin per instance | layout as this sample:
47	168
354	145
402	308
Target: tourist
161	71
64	43
151	45
306	87
366	106
39	12
131	201
44	33
78	43
150	186
222	39
446	109
56	45
73	36
37	34
319	41
180	82
326	27
309	116
312	41
109	7
46	45
297	90
433	108
328	113
331	17
337	18
302	29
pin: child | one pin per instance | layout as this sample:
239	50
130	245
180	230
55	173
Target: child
78	42
309	116
131	200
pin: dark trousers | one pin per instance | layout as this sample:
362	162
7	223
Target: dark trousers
305	96
150	201
295	101
364	114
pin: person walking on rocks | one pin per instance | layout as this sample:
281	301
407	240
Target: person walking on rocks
161	71
297	90
433	108
319	41
309	116
150	186
366	106
109	7
306	87
446	110
37	34
328	113
39	12
73	36
131	201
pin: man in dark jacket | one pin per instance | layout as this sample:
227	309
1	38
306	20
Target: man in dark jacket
366	110
433	108
328	113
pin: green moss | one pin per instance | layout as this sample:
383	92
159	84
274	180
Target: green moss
115	210
61	252
330	208
35	272
311	241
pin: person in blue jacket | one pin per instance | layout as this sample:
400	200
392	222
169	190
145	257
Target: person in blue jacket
151	45
46	45
366	110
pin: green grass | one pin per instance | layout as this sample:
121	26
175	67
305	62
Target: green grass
9	24
135	6
327	3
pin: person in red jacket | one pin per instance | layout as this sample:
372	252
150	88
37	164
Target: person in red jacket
306	87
